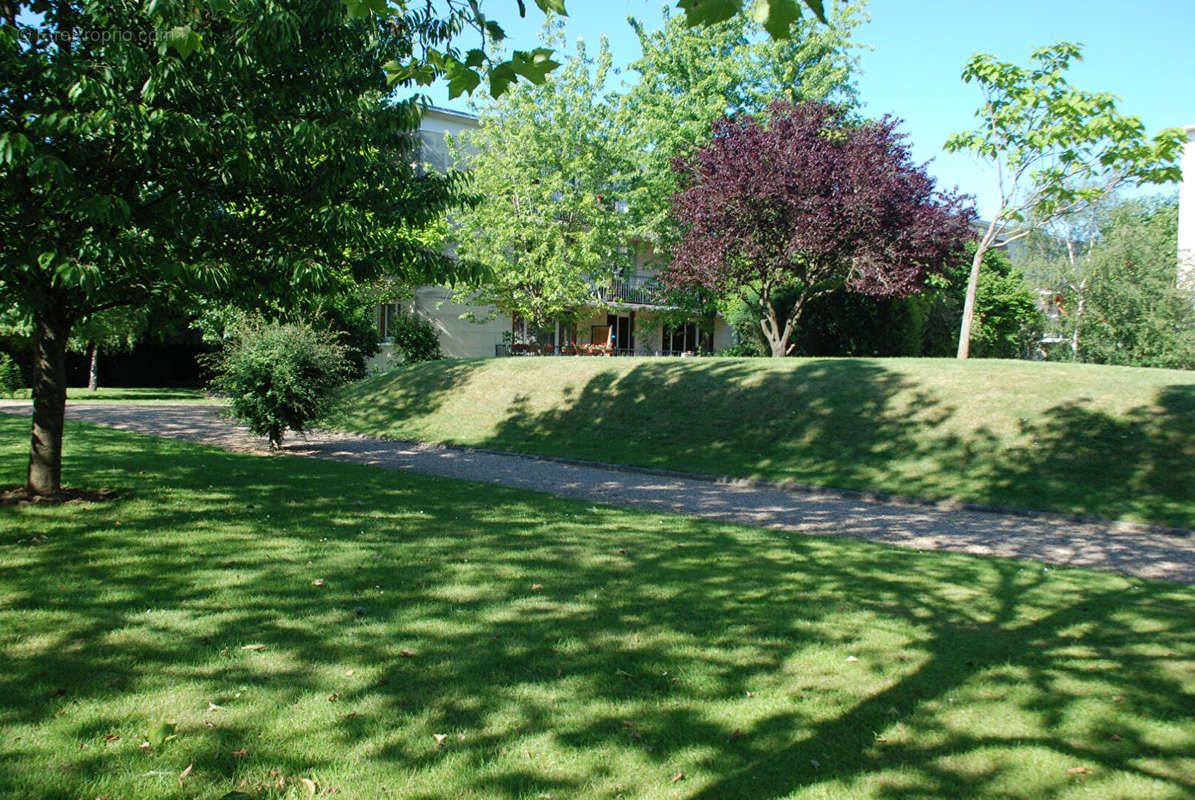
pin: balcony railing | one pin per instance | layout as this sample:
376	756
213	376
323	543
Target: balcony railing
643	290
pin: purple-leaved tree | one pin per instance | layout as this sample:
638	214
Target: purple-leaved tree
804	202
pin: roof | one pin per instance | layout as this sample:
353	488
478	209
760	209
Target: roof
461	116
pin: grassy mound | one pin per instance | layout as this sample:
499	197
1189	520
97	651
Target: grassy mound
240	623
1108	441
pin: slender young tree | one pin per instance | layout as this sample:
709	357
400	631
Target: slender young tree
803	202
546	167
1053	149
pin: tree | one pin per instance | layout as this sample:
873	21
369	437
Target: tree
1053	148
1137	315
689	78
546	167
135	170
279	376
808	202
113	329
441	57
1007	321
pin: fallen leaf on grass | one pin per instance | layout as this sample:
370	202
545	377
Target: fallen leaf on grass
439	737
851	658
145	746
680	776
213	707
1078	771
1115	738
332	698
318	582
535	587
163	733
310	784
1118	699
186	772
242	753
111	737
254	647
407	653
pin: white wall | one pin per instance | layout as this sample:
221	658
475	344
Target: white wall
459	338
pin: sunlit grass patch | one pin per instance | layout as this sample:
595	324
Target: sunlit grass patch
244	623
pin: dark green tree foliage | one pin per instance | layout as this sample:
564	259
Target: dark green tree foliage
414	337
280	377
1007	322
11	379
1136	314
137	166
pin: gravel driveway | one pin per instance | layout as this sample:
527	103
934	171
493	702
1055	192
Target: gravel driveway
1117	547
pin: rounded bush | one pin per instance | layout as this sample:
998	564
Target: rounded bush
415	338
280	376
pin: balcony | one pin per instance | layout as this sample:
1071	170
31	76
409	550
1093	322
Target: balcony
636	290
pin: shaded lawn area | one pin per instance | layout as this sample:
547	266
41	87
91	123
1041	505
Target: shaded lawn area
1113	442
558	648
131	394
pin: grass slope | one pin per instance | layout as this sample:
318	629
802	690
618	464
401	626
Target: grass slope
558	648
1108	441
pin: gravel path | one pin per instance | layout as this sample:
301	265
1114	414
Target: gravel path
1117	547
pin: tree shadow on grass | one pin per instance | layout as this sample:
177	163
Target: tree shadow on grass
841	420
1139	465
412	392
579	650
855	424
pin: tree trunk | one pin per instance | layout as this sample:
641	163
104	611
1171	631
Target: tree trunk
1082	305
93	373
776	336
777	339
49	402
964	334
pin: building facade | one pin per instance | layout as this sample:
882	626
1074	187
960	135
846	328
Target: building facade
625	318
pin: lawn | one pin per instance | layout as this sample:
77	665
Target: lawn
246	623
130	395
1113	442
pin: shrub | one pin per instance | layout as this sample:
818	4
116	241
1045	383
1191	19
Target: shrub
280	376
11	380
740	350
414	338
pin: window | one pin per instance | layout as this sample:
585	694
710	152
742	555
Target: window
683	338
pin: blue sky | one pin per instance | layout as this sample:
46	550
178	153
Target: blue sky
1144	52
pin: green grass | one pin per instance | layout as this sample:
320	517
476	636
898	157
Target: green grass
1106	441
562	649
131	395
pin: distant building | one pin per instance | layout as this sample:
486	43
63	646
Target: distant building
469	330
1186	214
